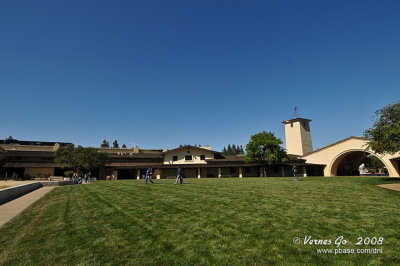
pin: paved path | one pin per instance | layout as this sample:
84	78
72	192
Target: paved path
10	209
391	186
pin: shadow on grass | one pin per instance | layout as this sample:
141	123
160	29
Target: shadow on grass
391	179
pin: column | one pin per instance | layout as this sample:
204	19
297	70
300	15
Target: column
158	174
240	172
198	173
219	172
304	171
261	171
138	174
115	174
283	170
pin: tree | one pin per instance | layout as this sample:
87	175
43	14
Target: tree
105	144
233	151
385	133
224	150
265	147
229	150
9	140
115	144
123	146
80	158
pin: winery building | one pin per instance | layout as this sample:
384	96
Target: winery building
36	159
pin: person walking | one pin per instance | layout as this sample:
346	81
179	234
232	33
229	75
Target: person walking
148	176
179	177
294	170
89	177
74	178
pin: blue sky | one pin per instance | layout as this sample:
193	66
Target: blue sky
162	73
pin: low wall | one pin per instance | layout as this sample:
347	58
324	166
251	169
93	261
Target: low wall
11	193
55	183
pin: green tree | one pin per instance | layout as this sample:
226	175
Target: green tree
105	144
232	150
224	150
80	158
229	150
115	144
233	147
385	133
265	147
123	146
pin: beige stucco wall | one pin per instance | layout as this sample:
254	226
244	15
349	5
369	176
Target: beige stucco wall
298	138
332	155
181	153
12	147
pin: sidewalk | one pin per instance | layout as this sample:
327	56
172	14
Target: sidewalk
11	209
391	186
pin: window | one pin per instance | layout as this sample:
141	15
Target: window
174	158
247	170
202	157
232	170
188	158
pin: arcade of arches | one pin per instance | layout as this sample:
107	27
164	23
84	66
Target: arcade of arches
349	163
343	158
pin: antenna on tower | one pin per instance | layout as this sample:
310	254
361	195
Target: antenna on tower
296	112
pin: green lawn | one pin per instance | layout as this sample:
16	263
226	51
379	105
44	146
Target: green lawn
206	221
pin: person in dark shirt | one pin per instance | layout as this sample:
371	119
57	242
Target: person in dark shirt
148	176
179	177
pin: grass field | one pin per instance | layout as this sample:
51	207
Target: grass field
206	221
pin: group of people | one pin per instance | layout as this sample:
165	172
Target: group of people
77	178
149	173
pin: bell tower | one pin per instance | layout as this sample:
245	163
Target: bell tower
298	136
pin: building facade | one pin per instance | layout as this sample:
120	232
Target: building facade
35	159
341	158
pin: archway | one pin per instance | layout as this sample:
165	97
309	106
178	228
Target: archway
347	164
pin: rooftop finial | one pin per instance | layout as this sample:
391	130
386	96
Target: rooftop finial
296	113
